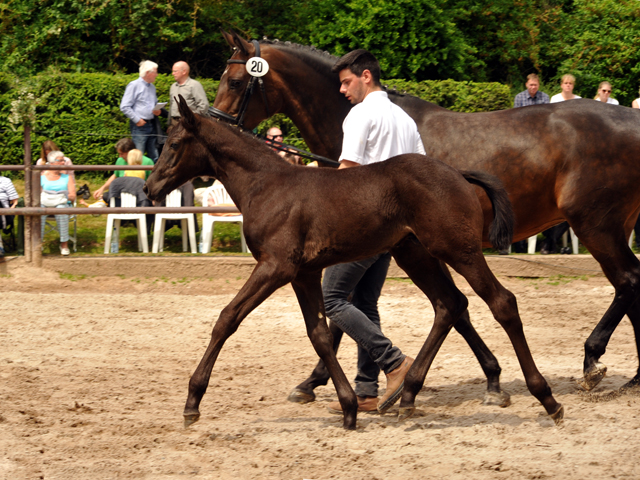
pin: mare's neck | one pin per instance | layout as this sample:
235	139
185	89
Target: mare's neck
312	99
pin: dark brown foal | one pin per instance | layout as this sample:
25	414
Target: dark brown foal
299	220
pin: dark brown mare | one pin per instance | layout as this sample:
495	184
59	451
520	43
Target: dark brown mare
299	220
577	161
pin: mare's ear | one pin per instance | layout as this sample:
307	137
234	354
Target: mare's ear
188	118
236	41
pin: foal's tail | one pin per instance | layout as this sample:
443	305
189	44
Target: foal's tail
501	229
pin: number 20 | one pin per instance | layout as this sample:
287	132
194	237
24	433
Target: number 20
256	66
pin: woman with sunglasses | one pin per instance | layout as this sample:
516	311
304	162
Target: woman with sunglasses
636	102
604	90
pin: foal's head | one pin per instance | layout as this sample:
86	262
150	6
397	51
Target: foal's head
183	158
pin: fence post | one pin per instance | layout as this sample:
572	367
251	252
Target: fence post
36	220
28	249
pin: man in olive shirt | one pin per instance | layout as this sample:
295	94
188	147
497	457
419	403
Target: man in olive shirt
190	89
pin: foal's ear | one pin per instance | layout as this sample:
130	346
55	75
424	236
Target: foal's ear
188	118
237	41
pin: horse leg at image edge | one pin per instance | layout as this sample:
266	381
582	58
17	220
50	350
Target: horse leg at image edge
264	280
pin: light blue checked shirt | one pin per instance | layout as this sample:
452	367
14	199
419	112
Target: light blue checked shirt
138	100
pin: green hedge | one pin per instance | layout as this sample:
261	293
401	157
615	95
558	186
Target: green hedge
80	112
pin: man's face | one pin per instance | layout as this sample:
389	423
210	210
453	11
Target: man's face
352	86
122	154
179	73
274	134
532	87
151	76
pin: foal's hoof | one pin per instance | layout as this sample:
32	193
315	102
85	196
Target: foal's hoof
633	384
190	419
300	396
594	376
558	416
405	413
500	399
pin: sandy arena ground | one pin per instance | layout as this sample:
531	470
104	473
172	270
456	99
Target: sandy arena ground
94	377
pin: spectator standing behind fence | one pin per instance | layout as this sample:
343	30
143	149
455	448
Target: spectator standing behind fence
58	189
636	102
531	96
604	92
190	89
567	82
8	199
553	234
49	146
123	147
138	104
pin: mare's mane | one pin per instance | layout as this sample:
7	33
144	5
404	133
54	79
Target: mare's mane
320	60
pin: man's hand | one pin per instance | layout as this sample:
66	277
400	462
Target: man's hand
98	193
348	164
156	112
141	123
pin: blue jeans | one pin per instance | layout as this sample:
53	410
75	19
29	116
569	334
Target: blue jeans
360	318
145	139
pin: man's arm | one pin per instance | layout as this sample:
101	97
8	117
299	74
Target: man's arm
127	102
348	164
200	98
98	193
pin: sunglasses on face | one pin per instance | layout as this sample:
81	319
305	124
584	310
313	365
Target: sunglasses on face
605	91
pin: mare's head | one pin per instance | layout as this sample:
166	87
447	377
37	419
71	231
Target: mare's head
292	67
184	155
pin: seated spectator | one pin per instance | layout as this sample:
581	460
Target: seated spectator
133	186
8	199
49	146
604	92
123	147
567	82
134	157
58	189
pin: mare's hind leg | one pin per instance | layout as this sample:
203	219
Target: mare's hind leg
264	280
309	293
609	247
303	393
502	302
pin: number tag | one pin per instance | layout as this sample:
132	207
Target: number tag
257	67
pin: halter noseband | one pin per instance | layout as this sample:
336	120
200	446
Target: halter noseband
239	119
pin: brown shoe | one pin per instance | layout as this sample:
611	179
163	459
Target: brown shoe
395	383
365	405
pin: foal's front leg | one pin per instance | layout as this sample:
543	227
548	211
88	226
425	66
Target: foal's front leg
264	280
309	292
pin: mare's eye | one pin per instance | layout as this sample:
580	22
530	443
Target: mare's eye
235	84
174	146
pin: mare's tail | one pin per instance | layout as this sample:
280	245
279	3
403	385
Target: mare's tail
501	229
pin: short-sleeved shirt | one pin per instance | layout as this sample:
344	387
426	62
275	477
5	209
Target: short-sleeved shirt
523	99
377	129
122	161
7	191
610	101
559	98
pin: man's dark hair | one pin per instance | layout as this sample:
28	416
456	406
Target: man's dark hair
125	145
358	61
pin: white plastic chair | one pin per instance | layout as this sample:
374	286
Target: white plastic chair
216	195
174	199
126	200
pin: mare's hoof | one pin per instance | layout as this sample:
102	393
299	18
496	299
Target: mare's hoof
594	376
633	384
405	413
500	399
558	416
190	419
300	396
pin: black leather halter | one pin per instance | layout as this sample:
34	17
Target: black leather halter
239	118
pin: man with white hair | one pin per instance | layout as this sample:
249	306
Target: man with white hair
189	88
138	105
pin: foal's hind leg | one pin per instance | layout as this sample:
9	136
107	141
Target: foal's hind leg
503	305
264	280
309	293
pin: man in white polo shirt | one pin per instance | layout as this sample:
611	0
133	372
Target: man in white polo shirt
375	129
